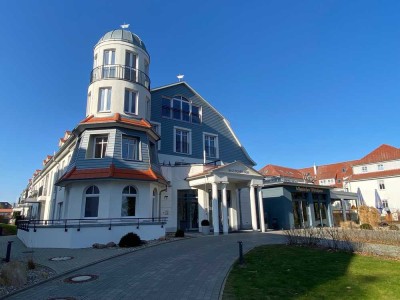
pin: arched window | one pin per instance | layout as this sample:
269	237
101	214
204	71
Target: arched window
155	204
92	202
128	207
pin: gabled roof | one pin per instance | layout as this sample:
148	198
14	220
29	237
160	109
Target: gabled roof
227	123
274	170
379	174
241	168
111	172
382	153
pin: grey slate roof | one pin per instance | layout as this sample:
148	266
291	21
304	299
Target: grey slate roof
123	35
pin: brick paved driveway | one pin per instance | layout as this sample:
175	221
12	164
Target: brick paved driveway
188	269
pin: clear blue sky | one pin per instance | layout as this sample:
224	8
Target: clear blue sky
300	81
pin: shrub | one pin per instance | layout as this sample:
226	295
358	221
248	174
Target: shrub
393	227
130	240
205	223
366	226
9	229
179	233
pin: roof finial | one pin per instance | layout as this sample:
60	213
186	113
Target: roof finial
180	77
125	26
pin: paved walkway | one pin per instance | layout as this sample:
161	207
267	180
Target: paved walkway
187	269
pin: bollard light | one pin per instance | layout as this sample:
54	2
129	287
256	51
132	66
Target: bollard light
8	251
241	258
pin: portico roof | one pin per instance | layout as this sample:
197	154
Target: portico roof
231	173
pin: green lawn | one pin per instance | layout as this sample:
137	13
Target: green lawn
9	229
290	272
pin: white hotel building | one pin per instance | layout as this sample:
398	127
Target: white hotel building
144	160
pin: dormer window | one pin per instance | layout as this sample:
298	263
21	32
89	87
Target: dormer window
179	108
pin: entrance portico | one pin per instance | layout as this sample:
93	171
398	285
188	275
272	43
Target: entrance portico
221	188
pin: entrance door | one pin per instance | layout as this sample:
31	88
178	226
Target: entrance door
188	210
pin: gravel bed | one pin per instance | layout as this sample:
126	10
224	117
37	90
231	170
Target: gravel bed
34	276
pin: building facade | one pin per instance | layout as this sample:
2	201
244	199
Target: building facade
143	160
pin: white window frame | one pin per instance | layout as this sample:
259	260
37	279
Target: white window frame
189	139
91	195
364	169
131	101
95	137
158	131
205	134
381	167
130	195
107	100
133	138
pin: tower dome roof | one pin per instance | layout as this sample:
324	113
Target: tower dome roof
123	35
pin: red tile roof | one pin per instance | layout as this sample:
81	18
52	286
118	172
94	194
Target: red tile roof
273	170
378	174
382	153
112	172
116	118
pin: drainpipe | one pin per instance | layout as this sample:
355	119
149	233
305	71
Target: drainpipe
159	200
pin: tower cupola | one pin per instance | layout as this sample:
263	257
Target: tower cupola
119	81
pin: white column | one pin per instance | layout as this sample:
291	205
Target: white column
215	209
261	209
224	210
253	208
330	214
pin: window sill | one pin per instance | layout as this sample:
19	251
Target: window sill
135	160
104	111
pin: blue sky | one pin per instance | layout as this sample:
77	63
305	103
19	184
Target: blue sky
300	81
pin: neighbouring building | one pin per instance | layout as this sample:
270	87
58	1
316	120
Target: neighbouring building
326	195
144	160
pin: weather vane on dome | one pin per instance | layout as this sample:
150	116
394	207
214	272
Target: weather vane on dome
180	77
125	26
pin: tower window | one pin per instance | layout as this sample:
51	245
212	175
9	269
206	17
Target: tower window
92	202
105	99
128	207
109	64
130	66
130	101
130	148
100	147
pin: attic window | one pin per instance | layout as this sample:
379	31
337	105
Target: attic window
344	170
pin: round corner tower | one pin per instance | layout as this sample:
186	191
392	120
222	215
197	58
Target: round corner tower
119	81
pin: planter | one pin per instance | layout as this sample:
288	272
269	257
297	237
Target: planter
205	230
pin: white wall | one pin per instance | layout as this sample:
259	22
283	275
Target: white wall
391	192
387	165
52	237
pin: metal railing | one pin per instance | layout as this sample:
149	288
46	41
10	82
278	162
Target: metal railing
120	72
26	225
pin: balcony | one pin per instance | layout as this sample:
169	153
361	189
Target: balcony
120	72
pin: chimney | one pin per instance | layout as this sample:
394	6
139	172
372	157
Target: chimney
315	169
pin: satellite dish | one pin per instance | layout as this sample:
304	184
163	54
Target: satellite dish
125	26
180	77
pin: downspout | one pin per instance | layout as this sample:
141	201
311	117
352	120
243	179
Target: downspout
159	200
